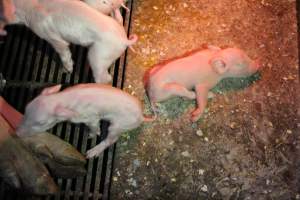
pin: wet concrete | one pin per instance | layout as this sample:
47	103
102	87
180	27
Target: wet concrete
246	145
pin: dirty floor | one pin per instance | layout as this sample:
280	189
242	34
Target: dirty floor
247	144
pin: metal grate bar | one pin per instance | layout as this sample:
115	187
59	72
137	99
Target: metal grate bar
6	51
14	54
117	83
29	59
22	53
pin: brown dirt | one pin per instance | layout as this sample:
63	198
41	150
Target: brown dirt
250	144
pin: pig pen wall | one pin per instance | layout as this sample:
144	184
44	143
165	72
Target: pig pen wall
29	64
246	145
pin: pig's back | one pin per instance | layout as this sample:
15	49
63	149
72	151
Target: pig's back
105	98
181	70
76	21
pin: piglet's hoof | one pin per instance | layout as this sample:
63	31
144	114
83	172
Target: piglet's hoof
191	95
48	146
62	159
195	114
68	67
22	170
67	71
92	153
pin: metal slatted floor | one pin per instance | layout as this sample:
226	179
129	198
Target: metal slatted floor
29	64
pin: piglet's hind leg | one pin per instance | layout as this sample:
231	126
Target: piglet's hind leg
175	89
113	135
202	93
99	64
62	48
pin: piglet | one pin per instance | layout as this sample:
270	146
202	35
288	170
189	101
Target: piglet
109	7
84	103
61	22
200	71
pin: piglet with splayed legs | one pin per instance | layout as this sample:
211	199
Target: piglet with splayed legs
193	75
84	103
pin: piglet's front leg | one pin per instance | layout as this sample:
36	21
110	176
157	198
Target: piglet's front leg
202	94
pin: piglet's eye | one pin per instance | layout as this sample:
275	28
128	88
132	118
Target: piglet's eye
104	2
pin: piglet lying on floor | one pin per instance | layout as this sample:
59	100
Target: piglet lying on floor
61	22
109	7
84	103
200	70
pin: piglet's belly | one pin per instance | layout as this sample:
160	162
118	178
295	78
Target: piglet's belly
84	119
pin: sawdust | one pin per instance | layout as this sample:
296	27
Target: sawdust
246	145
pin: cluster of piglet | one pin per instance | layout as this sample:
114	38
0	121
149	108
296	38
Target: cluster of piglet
61	22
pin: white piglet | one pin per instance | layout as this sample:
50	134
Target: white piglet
61	22
109	7
84	103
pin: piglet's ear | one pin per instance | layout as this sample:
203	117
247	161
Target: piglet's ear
51	90
219	66
63	112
